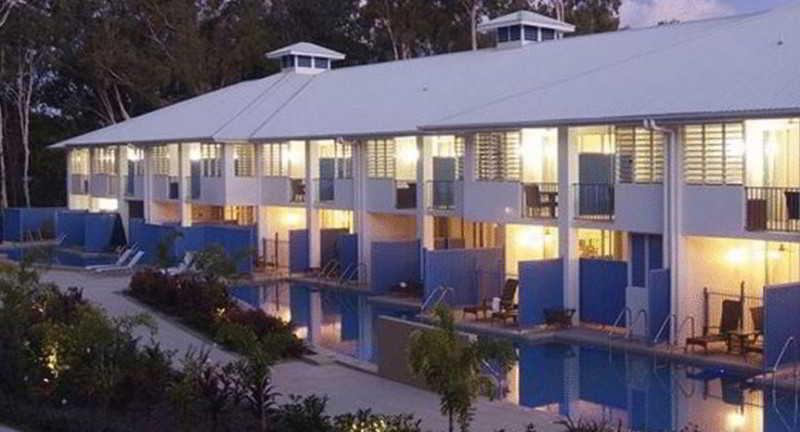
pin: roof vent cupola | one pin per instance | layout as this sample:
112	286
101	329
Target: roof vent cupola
524	27
305	58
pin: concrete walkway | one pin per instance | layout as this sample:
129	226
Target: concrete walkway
347	389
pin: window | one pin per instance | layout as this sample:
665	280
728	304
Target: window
531	33
515	33
304	61
341	153
105	161
548	34
244	160
135	157
714	153
502	34
211	160
287	62
449	146
640	154
380	158
321	63
498	156
276	160
79	162
161	160
242	215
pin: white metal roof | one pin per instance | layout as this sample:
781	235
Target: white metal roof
306	49
525	18
729	65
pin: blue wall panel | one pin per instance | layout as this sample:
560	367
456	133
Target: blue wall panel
638	256
474	274
300	304
298	251
18	221
327	245
347	250
781	320
392	263
603	378
659	301
655	252
103	232
12	225
348	308
542	375
72	226
541	285
602	290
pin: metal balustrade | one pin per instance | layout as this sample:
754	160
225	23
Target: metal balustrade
405	194
594	201
540	200
772	209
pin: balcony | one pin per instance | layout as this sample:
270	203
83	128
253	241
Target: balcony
104	185
540	200
282	191
443	195
134	186
166	188
594	201
334	192
772	209
79	184
405	194
206	190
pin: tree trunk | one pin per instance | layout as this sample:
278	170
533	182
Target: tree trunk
473	23
24	93
450	420
3	187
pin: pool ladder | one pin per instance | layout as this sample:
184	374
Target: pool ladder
677	329
435	297
630	321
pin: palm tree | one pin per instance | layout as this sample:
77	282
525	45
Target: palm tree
451	365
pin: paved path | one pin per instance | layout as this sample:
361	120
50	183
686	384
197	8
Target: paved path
347	389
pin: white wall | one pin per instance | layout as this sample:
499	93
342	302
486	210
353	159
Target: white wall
492	201
713	210
242	191
639	208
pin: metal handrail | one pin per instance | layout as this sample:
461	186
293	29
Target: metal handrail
350	271
671	318
791	341
344	273
499	378
640	313
625	313
679	330
441	290
328	269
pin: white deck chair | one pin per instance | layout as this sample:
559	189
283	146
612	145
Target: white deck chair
123	257
129	266
183	266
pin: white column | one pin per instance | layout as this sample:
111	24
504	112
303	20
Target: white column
122	186
360	217
68	158
424	174
262	227
147	192
674	245
315	317
184	180
312	213
567	234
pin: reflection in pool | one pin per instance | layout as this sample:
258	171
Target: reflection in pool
644	393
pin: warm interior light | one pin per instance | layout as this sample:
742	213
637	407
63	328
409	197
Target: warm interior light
735	147
530	238
735	421
409	154
291	219
106	204
736	256
134	155
195	155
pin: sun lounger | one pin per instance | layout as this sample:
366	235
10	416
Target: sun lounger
129	266
506	300
123	257
183	266
729	322
756	344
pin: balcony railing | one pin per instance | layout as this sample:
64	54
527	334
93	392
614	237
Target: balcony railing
79	184
173	187
405	194
441	195
326	190
540	200
772	209
594	201
297	191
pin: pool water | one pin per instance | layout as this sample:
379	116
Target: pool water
641	393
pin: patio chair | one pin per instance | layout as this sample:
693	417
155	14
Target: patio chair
182	267
729	322
556	317
127	267
534	202
506	300
123	257
756	345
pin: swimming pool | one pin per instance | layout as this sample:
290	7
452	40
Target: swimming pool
644	393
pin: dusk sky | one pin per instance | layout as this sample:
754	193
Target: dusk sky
640	13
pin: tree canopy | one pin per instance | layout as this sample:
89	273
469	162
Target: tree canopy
68	67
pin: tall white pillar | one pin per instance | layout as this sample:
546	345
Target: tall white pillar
567	234
68	158
674	244
185	182
147	184
424	175
361	226
312	212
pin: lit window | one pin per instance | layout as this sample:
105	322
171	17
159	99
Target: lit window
498	156
714	153
640	154
211	159
380	158
161	160
244	160
104	161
